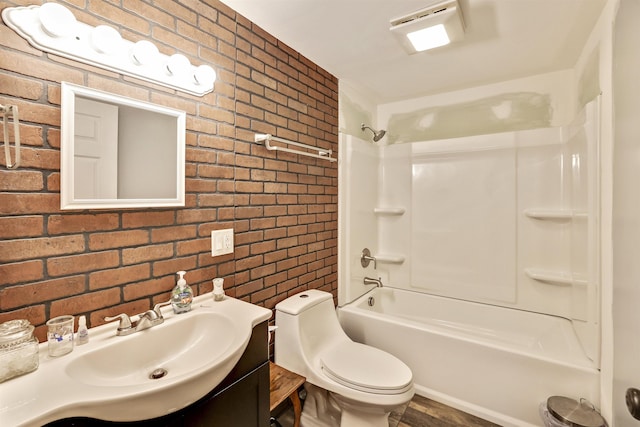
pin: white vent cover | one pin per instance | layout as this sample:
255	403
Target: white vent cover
446	14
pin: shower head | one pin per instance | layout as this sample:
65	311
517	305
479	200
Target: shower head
377	135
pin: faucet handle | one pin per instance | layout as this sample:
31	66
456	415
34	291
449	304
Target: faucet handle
366	258
125	321
157	307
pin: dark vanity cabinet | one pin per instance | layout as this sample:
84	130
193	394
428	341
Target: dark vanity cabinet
240	400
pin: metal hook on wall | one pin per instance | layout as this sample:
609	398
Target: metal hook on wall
7	111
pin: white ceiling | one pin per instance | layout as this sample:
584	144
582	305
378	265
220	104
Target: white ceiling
504	39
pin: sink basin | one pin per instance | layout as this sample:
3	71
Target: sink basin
141	376
184	345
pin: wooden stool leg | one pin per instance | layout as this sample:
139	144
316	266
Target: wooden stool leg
297	408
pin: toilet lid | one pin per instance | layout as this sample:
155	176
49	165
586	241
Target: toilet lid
366	368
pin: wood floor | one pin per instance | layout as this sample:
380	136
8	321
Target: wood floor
423	412
420	412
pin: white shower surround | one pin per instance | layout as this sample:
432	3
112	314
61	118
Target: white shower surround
524	238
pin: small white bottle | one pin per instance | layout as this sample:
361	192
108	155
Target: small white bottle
82	336
218	291
182	295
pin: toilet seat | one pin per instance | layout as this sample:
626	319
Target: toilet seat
365	368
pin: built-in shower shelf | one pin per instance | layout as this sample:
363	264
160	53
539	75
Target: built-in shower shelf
561	278
390	258
389	211
554	214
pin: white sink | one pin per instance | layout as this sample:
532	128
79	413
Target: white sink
109	378
177	348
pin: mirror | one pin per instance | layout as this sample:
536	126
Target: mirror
118	152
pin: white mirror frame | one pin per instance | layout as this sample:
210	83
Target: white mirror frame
68	200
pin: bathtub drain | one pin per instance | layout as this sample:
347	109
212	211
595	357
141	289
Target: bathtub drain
371	301
156	374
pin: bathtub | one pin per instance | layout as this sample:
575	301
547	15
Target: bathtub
494	362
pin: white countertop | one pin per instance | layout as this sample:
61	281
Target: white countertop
49	393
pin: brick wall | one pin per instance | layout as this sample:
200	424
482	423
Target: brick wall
102	262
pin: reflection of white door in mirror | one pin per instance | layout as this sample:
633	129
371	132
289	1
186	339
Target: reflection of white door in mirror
96	150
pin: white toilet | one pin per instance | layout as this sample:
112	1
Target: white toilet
348	384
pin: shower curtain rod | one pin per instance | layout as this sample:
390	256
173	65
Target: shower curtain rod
322	153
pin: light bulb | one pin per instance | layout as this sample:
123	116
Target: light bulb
105	39
178	65
144	52
56	20
204	75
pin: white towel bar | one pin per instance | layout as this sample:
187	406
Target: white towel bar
267	138
11	111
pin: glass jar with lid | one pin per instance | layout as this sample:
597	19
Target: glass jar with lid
18	349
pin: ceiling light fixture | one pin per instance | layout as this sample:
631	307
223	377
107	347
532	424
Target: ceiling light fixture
436	25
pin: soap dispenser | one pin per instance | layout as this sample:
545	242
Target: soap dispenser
182	295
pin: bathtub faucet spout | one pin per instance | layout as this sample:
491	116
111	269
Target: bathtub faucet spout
370	281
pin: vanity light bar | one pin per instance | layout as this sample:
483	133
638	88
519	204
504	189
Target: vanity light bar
53	28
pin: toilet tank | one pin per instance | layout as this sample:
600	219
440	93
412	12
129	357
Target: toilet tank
307	323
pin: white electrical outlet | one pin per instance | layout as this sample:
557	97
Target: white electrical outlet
222	242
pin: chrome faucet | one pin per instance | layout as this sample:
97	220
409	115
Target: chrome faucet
146	320
370	281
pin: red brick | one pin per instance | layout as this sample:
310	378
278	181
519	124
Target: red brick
21	272
248	263
248	288
147	219
209	200
28	203
191	247
21	226
39	68
260	296
275	233
82	263
21	180
248	187
197	216
248	237
15	250
147	253
154	14
249	212
119	276
297	250
85	303
149	287
118	239
166	234
34	293
287	242
262	223
36	158
262	271
62	224
285	286
171	266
